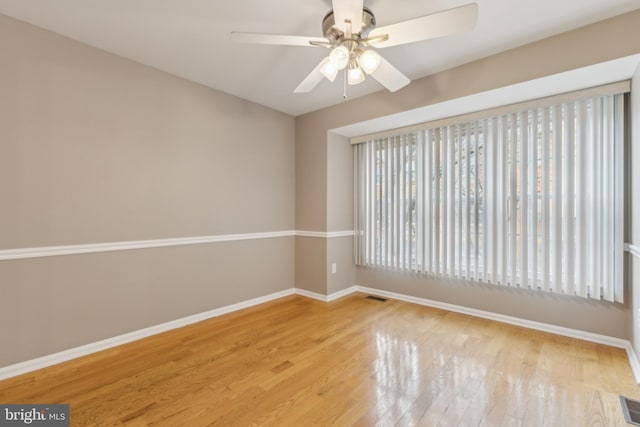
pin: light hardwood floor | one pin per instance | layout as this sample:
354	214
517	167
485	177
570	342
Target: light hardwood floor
300	362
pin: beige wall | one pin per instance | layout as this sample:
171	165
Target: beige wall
56	303
95	148
606	40
98	148
311	259
340	252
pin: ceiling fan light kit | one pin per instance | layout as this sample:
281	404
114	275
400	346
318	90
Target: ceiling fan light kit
350	32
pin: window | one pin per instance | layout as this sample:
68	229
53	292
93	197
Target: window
529	198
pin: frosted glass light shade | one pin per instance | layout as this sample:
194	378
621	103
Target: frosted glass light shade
355	75
369	61
339	57
328	69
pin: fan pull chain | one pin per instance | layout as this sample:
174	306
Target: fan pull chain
344	84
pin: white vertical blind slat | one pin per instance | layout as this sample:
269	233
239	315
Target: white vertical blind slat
362	229
459	244
356	207
546	250
378	155
393	182
491	150
607	190
513	196
556	204
393	241
404	206
360	200
591	212
370	198
444	217
420	202
384	204
385	189
523	135
597	194
533	198
503	215
485	218
429	202
410	200
476	235
467	201
580	261
618	211
365	201
569	200
452	204
398	203
436	203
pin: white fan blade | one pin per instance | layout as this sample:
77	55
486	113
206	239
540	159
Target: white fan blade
427	27
311	80
277	39
348	10
389	76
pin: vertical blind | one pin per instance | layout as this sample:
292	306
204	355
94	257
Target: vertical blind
531	199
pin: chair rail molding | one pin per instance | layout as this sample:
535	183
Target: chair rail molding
87	248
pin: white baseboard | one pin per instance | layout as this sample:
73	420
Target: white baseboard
63	356
312	295
517	321
326	298
530	324
74	353
633	361
342	293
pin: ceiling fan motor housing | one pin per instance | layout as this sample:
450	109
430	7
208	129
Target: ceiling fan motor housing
335	35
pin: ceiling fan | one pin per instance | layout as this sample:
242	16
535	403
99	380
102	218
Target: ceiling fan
351	34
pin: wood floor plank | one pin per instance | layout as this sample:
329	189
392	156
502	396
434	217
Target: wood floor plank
301	362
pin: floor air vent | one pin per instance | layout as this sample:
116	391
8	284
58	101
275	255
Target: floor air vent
380	299
631	409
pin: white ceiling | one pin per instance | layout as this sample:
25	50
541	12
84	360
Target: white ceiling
190	38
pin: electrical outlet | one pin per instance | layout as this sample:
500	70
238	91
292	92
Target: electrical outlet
334	268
